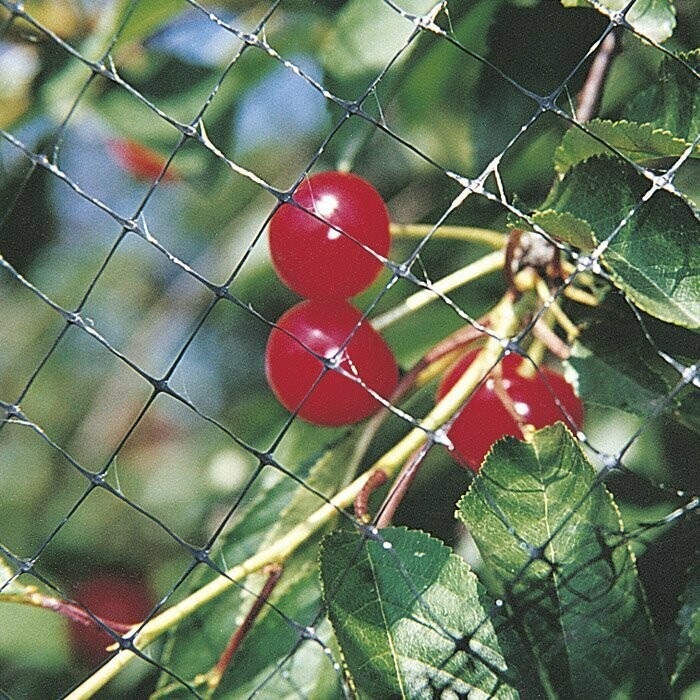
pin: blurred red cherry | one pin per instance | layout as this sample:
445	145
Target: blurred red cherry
112	598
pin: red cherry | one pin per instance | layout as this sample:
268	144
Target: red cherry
315	260
323	327
112	599
141	162
486	418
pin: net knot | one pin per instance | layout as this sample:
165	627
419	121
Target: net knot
547	104
308	632
201	555
11	410
24	565
610	463
440	437
97	479
618	18
513	347
161	386
266	459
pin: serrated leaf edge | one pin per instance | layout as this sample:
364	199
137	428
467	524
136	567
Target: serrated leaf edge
561	166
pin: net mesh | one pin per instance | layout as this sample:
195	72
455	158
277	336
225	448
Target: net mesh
139	334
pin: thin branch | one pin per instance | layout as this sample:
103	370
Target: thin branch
551	340
400	487
70	611
274	572
588	100
372	484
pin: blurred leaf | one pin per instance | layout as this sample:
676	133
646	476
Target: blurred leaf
638	142
271	510
397	613
654	258
260	664
689	625
552	541
332	470
366	36
655	19
617	367
673	101
147	17
257	662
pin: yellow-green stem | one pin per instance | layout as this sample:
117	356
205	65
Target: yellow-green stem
503	323
562	319
473	234
479	268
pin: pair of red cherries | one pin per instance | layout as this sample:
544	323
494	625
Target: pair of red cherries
328	247
325	256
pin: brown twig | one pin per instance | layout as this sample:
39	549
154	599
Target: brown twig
274	572
589	98
461	338
375	480
400	487
505	398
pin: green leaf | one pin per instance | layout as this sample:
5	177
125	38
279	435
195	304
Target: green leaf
673	101
566	227
397	612
655	19
689	625
365	36
662	122
552	541
638	142
654	258
617	366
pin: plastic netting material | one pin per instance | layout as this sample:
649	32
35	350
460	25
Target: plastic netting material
211	293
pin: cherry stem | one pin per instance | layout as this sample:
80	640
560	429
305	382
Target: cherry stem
456	341
274	572
504	321
375	480
474	234
469	273
551	340
555	309
400	487
581	296
505	398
